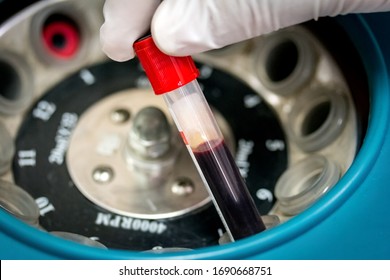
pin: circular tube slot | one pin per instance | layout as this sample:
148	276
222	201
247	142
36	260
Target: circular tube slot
61	36
304	183
285	54
7	149
318	118
15	84
10	83
286	61
78	239
19	203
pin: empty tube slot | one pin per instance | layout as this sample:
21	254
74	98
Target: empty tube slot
285	61
15	84
304	183
318	118
9	81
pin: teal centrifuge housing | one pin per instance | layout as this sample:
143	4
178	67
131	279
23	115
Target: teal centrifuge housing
350	222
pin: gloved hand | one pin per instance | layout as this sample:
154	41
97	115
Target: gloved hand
186	27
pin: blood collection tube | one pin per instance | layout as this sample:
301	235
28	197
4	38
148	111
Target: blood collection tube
175	79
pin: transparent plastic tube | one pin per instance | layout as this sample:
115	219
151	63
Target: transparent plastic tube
204	140
176	81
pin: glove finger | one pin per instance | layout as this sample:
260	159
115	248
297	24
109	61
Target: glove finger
125	22
188	27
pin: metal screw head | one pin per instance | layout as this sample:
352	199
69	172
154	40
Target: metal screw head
183	187
103	174
120	115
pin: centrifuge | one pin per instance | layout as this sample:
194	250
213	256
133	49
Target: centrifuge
93	167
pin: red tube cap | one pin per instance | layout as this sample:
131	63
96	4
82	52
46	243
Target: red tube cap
165	73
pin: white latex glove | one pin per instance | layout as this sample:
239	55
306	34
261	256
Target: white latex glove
186	27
